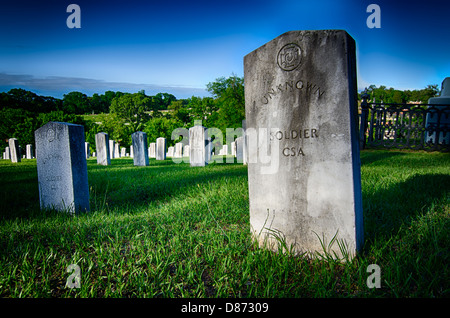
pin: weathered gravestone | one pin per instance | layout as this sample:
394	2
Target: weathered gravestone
87	150
29	150
170	152
303	160
438	119
139	140
197	146
178	151
123	152
161	148
152	150
233	148
102	146
7	153
240	149
61	167
186	150
117	150
112	145
14	150
225	150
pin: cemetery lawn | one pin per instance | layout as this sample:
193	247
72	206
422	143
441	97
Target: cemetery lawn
171	230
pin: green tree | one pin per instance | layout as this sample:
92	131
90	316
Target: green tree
162	127
132	109
180	111
117	128
203	108
229	98
76	103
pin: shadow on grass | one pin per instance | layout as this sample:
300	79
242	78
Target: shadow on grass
387	210
140	186
120	184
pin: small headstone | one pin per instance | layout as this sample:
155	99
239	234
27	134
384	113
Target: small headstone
197	146
112	145
87	150
117	150
304	167
161	148
139	140
240	149
225	150
186	151
29	150
14	150
7	153
61	167
170	152
438	120
102	146
152	150
123	151
131	151
233	148
178	151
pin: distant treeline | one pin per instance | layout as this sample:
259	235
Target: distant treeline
391	95
120	114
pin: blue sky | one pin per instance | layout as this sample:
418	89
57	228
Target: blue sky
180	46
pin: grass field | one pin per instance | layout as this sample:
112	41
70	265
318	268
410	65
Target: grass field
171	230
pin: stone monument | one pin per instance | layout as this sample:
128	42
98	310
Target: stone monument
240	149
197	146
303	151
161	148
87	150
61	167
14	150
438	120
112	145
29	150
152	150
139	140
102	146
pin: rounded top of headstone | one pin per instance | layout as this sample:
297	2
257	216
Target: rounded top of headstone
444	97
445	88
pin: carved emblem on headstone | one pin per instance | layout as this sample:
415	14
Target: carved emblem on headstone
289	57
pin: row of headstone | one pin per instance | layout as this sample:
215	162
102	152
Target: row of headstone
61	155
14	152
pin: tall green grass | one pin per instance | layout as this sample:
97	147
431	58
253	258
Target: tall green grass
171	230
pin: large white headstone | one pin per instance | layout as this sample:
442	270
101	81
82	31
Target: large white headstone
61	167
303	160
